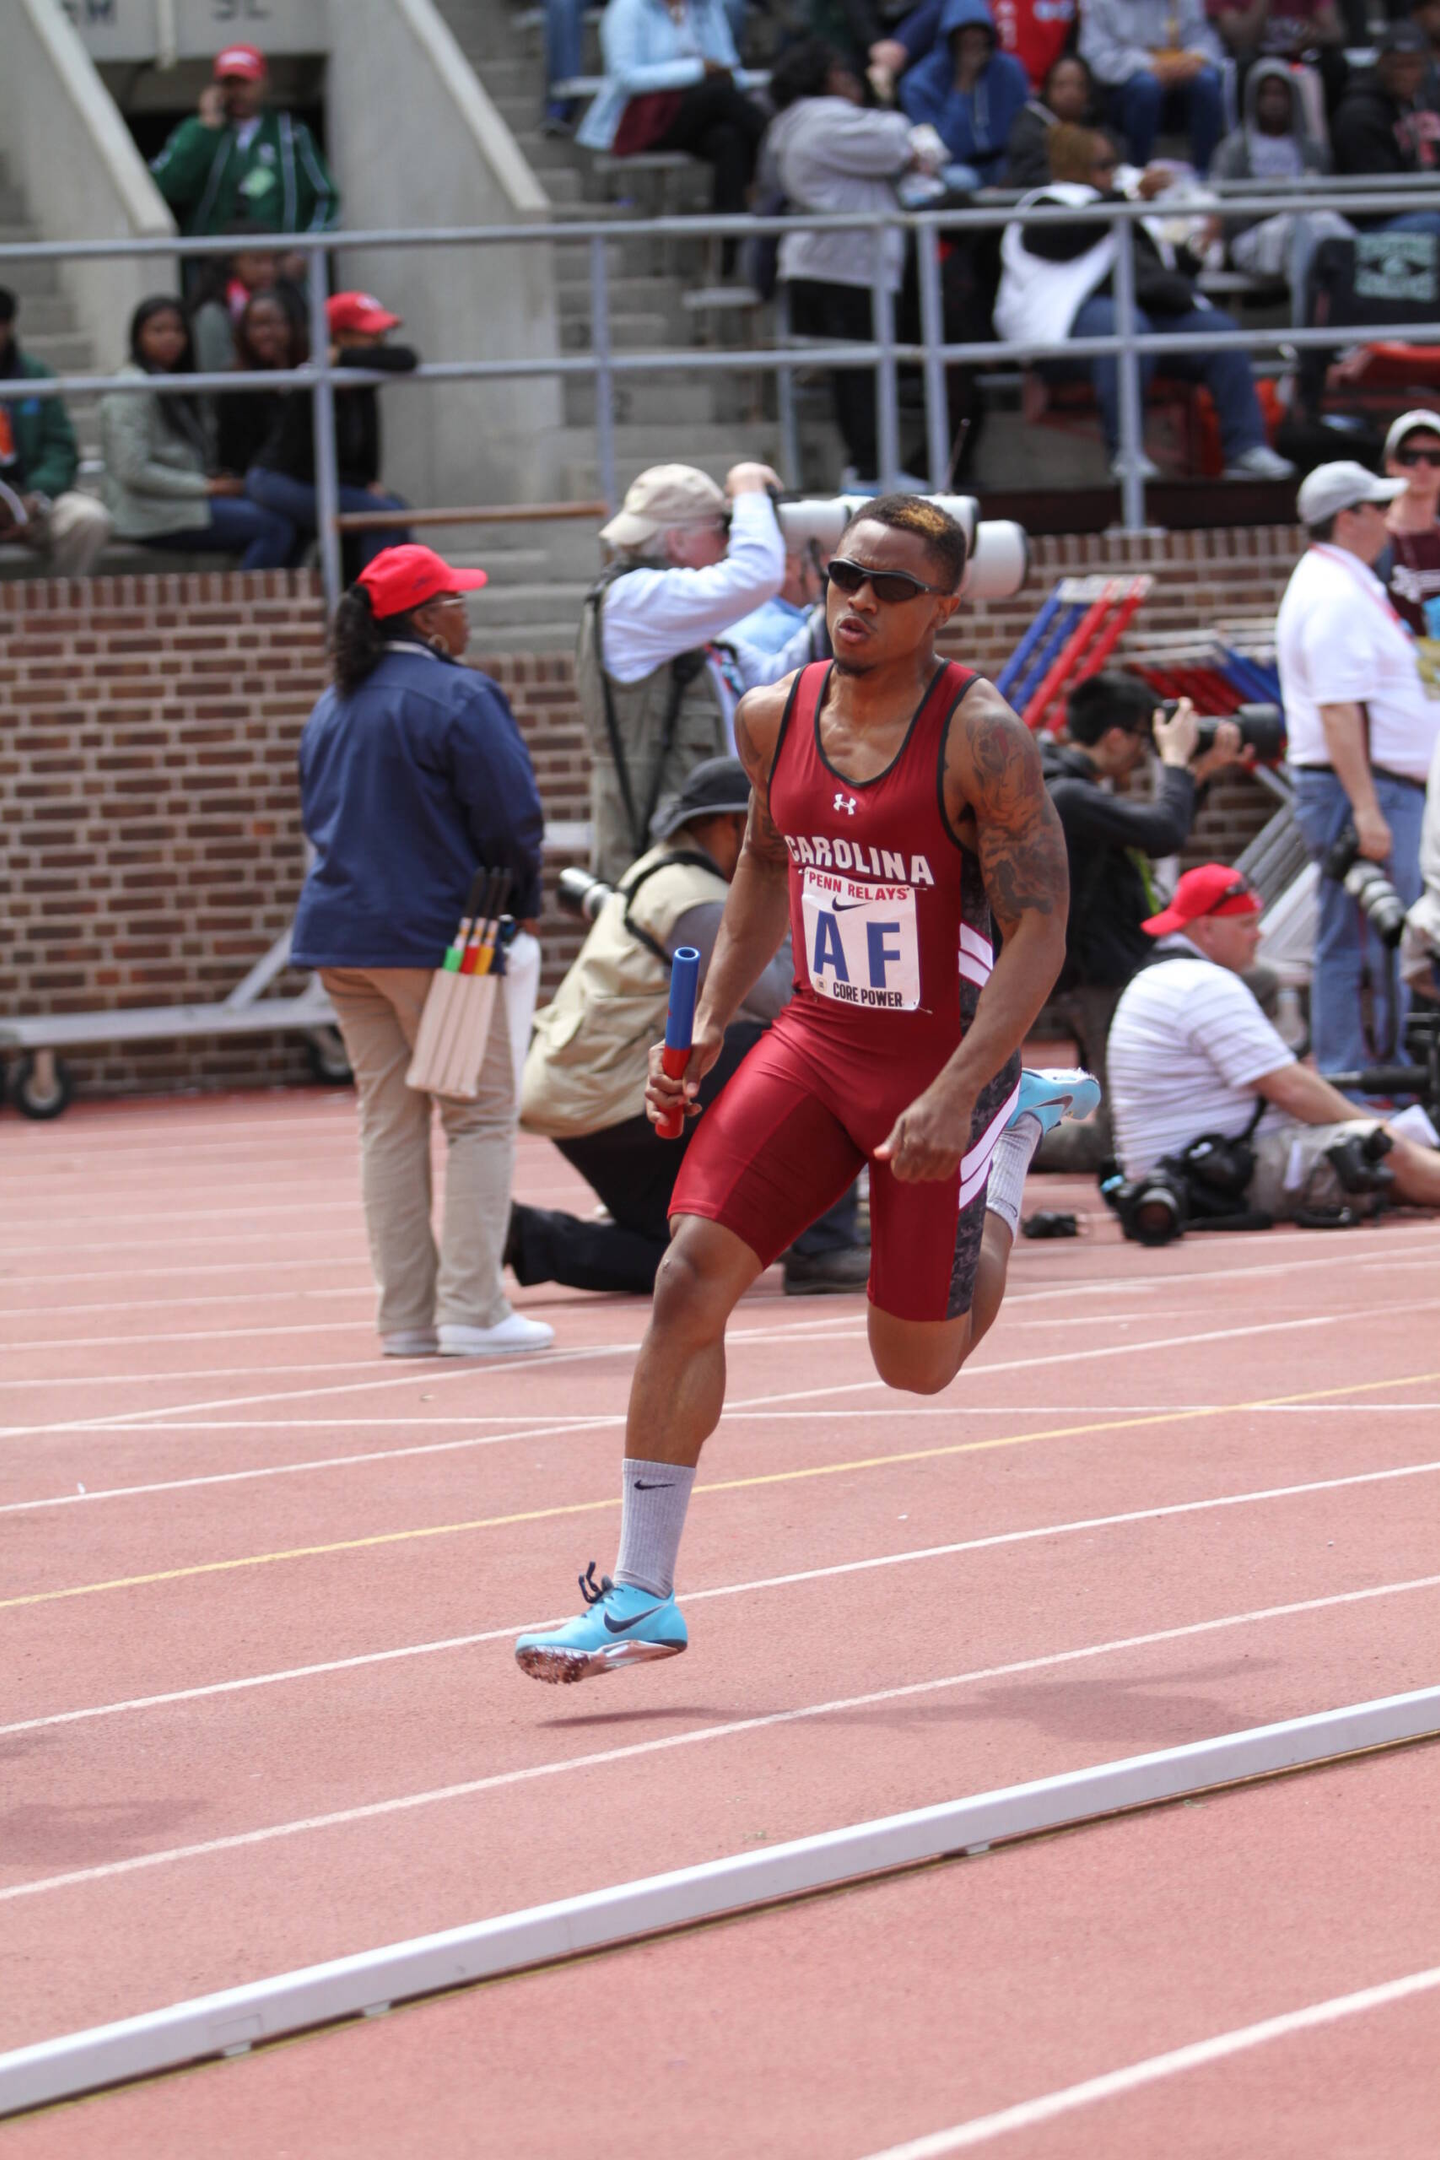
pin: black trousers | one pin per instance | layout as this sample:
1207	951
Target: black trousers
720	125
633	1171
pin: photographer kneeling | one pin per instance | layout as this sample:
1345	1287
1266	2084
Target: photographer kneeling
1192	1057
584	1082
1111	723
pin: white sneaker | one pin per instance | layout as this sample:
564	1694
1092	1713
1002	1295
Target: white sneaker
516	1333
1260	463
1149	470
412	1342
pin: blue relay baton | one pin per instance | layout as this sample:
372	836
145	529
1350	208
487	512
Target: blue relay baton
679	1029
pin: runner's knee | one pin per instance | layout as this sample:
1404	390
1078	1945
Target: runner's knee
693	1295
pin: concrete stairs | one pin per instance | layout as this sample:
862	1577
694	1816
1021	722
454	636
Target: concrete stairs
709	421
47	325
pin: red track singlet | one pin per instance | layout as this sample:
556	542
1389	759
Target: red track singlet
891	932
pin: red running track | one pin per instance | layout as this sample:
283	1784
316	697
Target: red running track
259	1587
906	2007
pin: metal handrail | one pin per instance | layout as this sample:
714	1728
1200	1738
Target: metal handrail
882	355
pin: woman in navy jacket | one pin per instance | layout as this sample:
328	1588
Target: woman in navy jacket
412	775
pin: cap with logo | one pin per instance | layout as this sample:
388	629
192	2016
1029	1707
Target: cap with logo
666	495
1213	889
1410	423
246	61
718	788
358	311
1332	488
402	578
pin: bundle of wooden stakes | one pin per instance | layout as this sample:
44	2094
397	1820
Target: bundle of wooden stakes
455	1025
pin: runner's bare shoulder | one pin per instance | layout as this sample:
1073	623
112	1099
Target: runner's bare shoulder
758	719
990	757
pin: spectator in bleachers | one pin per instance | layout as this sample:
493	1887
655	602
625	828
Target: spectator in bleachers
40	507
1056	284
1412	571
1383	128
236	159
1034	32
160	485
283	474
1274	144
271	333
670	85
1160	66
1067	98
969	92
1294	31
233	280
828	153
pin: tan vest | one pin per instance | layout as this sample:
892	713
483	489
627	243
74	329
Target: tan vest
587	1060
640	710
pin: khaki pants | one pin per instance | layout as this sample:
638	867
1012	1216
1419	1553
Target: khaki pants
71	534
379	1014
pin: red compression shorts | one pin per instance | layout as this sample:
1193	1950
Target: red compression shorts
791	1131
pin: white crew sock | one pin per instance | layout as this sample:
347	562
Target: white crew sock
1014	1152
651	1523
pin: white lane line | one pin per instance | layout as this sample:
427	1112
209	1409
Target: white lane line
218	1213
537	1425
1028	2114
767	1582
312	1294
181	1335
431	1372
376	1809
547	1360
313	1263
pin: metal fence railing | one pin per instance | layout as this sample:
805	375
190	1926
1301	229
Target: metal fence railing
883	355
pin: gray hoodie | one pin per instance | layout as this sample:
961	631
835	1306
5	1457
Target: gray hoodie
826	154
1243	153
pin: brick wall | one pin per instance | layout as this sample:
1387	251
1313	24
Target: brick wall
150	845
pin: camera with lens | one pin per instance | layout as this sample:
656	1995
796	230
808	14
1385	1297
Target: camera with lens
1367	885
1201	1188
578	893
1262	729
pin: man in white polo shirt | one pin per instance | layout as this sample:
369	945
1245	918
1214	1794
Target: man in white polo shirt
1362	730
1191	1053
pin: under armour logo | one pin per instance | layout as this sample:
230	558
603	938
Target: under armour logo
846	803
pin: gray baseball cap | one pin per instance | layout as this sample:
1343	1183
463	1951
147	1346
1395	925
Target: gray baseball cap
1341	486
1410	423
718	788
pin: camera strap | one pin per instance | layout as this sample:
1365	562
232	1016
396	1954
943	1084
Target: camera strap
686	858
683	670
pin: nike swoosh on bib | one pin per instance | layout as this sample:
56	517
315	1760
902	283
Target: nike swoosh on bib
623	1627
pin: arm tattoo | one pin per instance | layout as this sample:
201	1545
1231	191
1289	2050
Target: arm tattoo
762	840
1021	844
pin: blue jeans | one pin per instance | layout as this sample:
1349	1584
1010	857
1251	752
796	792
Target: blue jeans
564	36
1138	106
295	500
1410	221
261	538
1226	375
1345	944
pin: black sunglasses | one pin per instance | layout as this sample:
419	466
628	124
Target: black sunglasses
1417	457
890	587
1241	887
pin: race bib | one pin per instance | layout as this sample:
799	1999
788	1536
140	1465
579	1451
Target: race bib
861	942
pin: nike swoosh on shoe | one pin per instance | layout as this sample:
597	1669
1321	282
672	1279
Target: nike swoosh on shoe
623	1627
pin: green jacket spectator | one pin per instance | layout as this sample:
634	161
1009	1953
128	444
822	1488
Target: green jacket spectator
43	437
235	159
41	509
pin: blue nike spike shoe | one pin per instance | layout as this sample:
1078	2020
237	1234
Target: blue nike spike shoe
621	1625
1051	1096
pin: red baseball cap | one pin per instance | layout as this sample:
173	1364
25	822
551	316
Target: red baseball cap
358	311
246	61
1213	889
402	578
